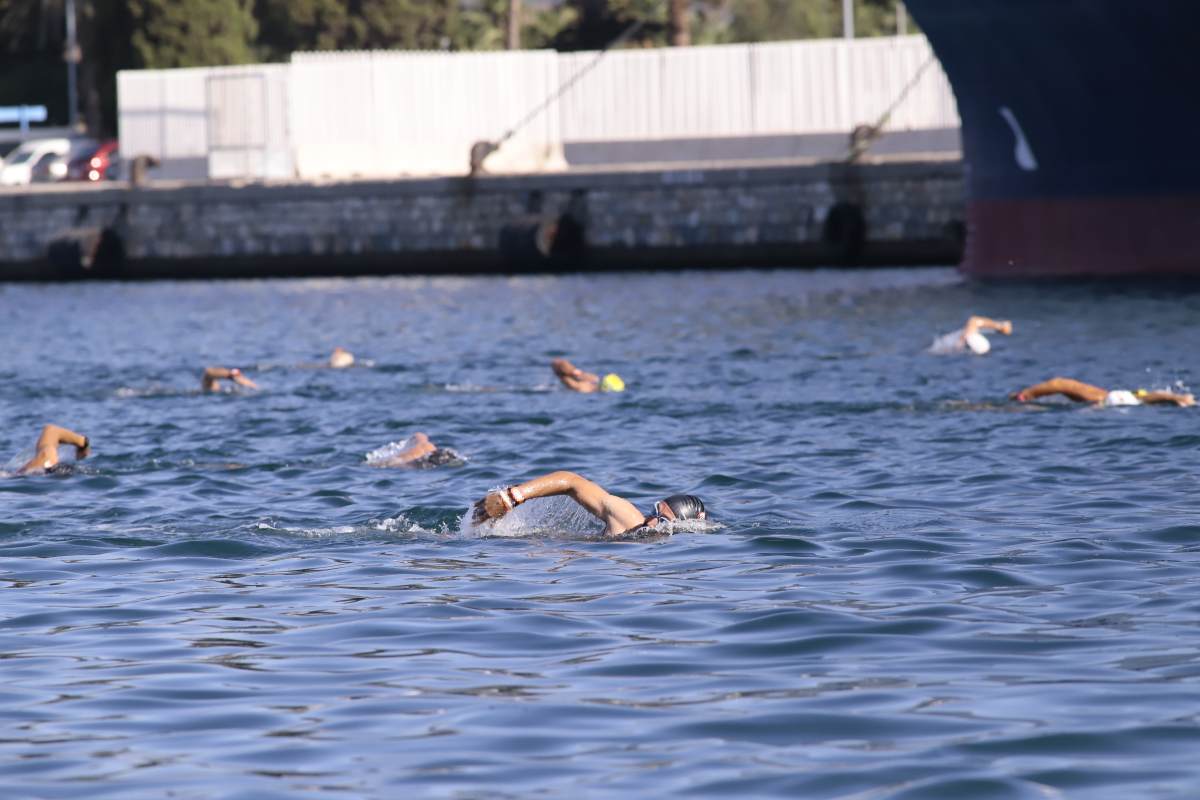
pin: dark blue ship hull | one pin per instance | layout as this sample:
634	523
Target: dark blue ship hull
1079	126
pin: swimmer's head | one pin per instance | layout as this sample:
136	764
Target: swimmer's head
681	506
612	383
977	343
341	358
1141	393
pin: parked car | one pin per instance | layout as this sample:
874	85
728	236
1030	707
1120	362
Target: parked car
54	167
18	167
100	163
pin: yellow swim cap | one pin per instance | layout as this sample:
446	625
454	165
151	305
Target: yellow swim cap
1141	393
612	383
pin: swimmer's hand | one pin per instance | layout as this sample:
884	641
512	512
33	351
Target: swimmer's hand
84	450
236	376
493	506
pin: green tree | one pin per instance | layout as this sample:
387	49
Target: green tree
780	20
192	33
599	22
288	26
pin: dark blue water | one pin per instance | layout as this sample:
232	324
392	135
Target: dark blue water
915	589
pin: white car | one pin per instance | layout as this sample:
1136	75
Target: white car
18	165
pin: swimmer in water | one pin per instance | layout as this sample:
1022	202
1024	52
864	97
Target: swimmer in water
210	381
420	452
1082	392
968	337
47	448
341	358
577	380
618	514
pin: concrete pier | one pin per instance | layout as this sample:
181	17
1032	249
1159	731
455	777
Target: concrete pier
784	214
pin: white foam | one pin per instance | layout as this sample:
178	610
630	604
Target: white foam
397	524
380	456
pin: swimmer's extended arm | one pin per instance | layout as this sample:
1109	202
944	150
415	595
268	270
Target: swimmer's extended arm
617	513
1076	390
1168	398
419	447
47	447
976	324
573	377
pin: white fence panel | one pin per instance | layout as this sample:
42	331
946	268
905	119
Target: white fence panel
824	86
781	88
386	113
397	113
218	122
332	115
161	113
248	122
617	97
881	71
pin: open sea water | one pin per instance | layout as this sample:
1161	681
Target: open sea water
912	587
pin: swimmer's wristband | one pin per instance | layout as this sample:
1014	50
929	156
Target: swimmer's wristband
514	496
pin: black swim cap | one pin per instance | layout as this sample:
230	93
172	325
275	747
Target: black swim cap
685	506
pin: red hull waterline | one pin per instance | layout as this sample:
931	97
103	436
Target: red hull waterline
1076	237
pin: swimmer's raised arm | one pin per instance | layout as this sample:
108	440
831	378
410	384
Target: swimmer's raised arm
47	447
617	513
1075	390
975	324
210	381
419	446
573	377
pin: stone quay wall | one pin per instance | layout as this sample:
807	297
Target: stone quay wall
784	215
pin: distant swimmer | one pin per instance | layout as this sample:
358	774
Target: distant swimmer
47	448
341	358
210	381
618	514
1086	393
415	451
577	380
968	337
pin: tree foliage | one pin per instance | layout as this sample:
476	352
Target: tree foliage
169	33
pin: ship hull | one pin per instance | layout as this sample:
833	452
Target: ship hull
1077	118
1111	237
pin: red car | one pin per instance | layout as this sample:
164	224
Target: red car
98	164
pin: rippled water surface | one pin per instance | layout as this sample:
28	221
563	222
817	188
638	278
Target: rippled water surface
915	589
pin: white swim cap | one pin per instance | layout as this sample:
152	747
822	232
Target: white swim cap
978	343
1121	397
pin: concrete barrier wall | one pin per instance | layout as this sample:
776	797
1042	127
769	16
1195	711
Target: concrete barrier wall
902	212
